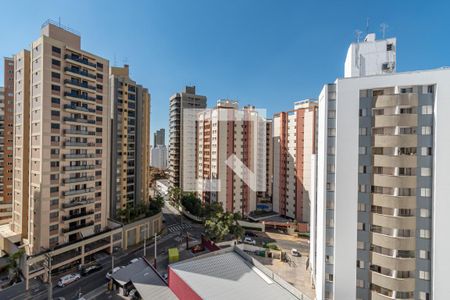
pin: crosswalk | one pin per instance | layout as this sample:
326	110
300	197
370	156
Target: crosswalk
178	227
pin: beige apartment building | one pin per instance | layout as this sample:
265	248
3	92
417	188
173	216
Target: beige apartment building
130	140
61	147
182	137
6	141
294	144
225	132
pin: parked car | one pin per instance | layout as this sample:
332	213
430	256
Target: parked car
109	274
134	260
68	279
198	248
294	252
250	234
249	240
90	269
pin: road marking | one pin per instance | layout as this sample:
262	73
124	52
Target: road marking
178	227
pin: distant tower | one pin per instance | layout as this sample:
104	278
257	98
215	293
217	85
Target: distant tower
371	57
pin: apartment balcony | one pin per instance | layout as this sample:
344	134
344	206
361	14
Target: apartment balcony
78	179
394	284
80	73
409	99
78	216
78	60
76	108
79	120
79	168
78	132
394	201
78	192
395	120
82	203
406	140
77	96
386	241
394	221
77	156
395	263
81	85
401	161
394	181
76	228
78	144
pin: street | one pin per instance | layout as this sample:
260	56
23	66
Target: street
93	281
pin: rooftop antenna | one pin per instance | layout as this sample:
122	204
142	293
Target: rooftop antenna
125	60
115	60
59	21
358	35
384	27
367	25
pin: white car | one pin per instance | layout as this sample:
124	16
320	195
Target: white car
249	240
109	274
134	260
294	252
67	279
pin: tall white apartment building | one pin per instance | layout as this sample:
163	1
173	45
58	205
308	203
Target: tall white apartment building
382	187
294	144
226	132
159	157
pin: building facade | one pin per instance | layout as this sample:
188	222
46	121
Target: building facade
6	141
159	137
130	140
182	141
230	140
61	141
382	168
294	143
159	157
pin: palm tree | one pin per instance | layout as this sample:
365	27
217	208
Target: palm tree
13	265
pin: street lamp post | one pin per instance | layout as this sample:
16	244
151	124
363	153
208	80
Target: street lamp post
155	251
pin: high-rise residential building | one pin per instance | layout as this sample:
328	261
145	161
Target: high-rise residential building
159	137
182	141
6	141
222	132
61	141
382	209
130	140
294	143
159	157
371	57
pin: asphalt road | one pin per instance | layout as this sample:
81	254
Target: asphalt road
93	281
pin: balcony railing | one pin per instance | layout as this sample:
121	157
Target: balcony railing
78	179
78	144
78	215
72	156
77	192
78	120
79	168
79	96
80	60
79	132
79	108
78	203
80	72
77	227
80	84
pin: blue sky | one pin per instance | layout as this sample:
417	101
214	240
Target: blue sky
260	52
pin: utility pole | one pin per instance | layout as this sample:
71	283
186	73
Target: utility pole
112	261
145	239
48	266
155	250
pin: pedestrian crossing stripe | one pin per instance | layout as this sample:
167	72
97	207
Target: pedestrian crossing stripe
177	227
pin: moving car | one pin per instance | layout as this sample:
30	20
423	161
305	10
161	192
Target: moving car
294	252
68	279
90	269
249	240
109	274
